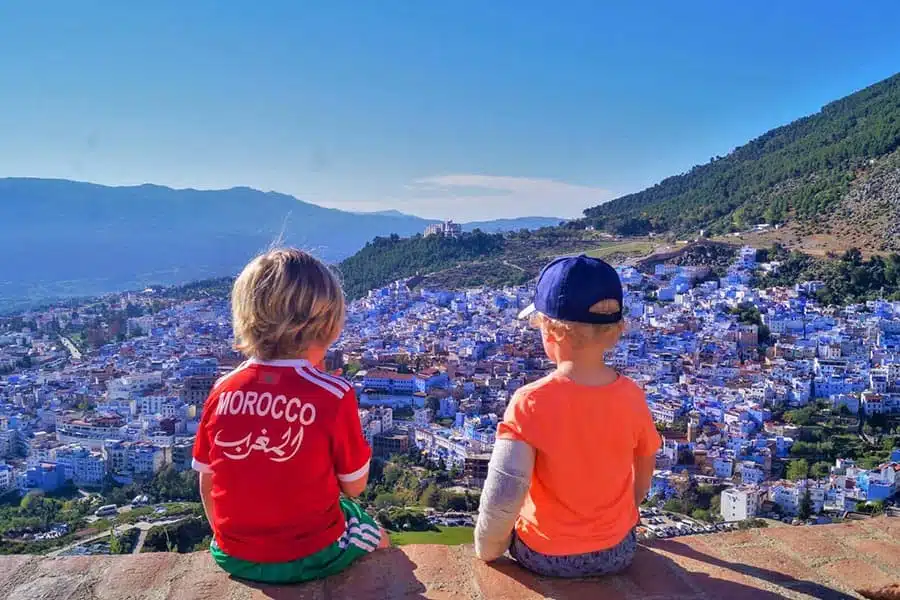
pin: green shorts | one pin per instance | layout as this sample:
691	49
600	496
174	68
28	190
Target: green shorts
361	537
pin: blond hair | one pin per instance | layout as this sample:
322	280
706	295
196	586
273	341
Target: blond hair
582	334
283	302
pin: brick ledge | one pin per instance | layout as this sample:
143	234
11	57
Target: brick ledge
823	562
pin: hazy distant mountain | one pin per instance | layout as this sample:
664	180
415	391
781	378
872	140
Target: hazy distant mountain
501	225
65	238
385	213
495	226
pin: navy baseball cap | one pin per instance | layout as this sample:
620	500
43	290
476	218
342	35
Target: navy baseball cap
569	286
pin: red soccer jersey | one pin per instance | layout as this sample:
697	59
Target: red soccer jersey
277	436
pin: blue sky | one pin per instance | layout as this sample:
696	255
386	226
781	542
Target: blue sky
462	109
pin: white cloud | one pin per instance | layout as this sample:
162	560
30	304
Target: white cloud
476	197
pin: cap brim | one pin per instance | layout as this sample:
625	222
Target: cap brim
527	311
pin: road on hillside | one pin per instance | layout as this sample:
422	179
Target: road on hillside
73	351
511	265
633	260
144	526
140	543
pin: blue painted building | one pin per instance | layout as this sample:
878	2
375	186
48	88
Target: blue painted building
45	476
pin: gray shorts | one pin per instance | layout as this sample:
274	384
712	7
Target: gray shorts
604	562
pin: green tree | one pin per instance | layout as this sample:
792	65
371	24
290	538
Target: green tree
431	497
387	500
802	417
115	543
821	470
701	515
797	470
806	505
391	475
351	369
752	524
384	518
674	505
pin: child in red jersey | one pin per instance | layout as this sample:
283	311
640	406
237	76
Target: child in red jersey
279	439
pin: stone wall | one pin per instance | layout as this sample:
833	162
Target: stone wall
823	562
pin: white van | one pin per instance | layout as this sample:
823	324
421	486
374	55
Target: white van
107	510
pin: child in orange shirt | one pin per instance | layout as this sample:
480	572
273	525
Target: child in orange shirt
575	451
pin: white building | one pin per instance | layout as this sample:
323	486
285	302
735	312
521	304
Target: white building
752	473
90	430
447	228
741	503
81	465
664	412
851	401
147	459
7	477
443	446
389	382
422	417
140	325
142	459
150	405
376	421
116	454
788	495
127	387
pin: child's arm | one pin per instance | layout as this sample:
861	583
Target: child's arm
349	449
201	463
647	442
352	489
206	496
643	476
508	480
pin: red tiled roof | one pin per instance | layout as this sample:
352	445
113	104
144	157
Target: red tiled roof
378	374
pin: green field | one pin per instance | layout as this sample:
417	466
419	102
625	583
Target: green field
447	536
637	247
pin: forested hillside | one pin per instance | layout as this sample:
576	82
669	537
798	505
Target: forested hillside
387	259
472	259
801	171
847	278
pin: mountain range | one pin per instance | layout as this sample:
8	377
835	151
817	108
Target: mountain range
832	177
63	238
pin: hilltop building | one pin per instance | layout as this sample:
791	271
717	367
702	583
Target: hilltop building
447	228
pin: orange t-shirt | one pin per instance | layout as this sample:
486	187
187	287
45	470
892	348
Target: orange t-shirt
585	438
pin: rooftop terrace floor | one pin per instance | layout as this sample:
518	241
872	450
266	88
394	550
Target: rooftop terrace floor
823	562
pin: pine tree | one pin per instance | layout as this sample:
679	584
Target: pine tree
806	506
